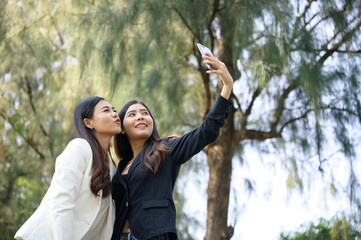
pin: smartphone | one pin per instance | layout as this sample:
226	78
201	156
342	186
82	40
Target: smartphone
204	50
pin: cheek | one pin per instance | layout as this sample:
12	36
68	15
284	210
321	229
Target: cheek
152	125
125	126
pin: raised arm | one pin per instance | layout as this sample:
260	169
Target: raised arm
223	73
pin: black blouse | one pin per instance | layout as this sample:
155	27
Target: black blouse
145	199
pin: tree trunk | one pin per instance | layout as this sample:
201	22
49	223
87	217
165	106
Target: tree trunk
219	157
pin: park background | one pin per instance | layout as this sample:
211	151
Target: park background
289	153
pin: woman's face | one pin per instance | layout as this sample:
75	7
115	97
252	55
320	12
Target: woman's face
137	123
105	120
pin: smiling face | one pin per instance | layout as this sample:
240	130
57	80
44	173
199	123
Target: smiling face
105	120
137	123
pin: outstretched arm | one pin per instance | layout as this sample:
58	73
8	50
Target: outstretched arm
222	72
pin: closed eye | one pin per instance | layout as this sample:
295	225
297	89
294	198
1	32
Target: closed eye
106	109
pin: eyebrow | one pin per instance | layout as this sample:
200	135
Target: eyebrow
141	110
107	107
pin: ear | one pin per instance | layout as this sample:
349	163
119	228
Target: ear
123	131
88	123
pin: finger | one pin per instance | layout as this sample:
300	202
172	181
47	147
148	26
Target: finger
215	71
217	64
213	61
208	57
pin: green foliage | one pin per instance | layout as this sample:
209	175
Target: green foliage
304	68
149	48
333	229
35	108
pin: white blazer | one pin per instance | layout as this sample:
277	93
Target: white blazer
68	208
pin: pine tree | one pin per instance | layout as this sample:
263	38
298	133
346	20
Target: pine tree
299	57
295	65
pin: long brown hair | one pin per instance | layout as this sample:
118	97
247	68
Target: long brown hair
100	179
154	149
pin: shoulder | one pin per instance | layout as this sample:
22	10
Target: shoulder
79	144
172	141
77	151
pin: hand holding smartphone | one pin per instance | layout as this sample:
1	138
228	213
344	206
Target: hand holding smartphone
204	50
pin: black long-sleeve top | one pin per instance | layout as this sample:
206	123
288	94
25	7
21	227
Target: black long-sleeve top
145	198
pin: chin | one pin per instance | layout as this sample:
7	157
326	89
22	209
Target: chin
145	136
116	131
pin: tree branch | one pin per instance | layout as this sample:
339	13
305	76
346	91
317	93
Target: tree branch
57	30
326	49
29	92
321	20
311	110
254	96
336	46
330	15
25	27
338	32
237	102
185	22
205	78
248	111
349	51
313	17
299	18
6	200
209	24
340	109
28	140
280	106
251	134
261	35
294	120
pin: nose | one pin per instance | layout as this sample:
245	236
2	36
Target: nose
139	116
115	114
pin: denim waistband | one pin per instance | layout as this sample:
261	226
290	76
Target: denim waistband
127	236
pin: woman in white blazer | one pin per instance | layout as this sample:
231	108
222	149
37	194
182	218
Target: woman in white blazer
78	204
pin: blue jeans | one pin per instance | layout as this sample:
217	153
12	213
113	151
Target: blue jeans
163	236
129	236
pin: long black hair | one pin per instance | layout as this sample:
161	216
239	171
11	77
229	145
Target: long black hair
100	179
154	147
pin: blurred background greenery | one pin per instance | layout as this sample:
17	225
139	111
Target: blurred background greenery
296	66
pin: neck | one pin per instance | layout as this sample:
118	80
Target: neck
104	142
137	147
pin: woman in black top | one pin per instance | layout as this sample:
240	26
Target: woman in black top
149	165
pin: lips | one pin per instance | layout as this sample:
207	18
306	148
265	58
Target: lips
117	121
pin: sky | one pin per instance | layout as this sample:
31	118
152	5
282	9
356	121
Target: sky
272	208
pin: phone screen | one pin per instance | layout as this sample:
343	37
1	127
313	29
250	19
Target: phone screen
204	50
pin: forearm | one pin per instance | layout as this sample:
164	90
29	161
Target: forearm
226	91
186	146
